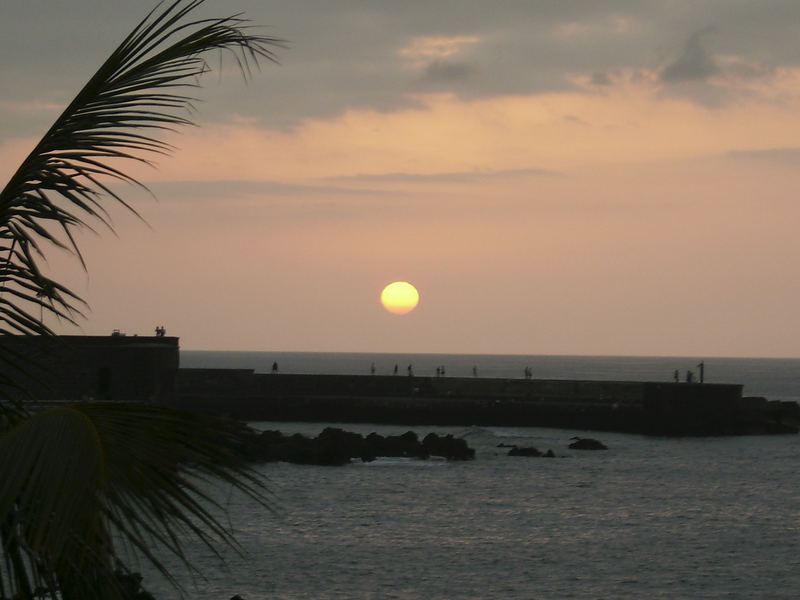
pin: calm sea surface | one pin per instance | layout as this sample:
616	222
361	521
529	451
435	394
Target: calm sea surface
649	518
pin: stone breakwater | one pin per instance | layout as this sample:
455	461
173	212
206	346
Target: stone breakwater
651	408
121	368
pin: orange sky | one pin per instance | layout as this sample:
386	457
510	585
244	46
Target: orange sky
631	206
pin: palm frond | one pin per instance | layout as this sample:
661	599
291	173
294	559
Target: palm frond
51	466
138	93
76	478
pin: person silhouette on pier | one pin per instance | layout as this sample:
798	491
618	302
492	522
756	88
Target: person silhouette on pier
275	367
702	367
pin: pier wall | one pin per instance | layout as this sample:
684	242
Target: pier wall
146	369
653	408
74	368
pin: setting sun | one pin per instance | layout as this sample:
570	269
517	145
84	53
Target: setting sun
399	297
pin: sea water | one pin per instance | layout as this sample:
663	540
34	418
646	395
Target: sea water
649	517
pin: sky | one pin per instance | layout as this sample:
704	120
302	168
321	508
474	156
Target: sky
555	177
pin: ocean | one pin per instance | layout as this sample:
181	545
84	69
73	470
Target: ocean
649	517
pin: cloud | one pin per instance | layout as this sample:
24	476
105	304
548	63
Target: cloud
436	58
424	49
36	106
354	55
617	79
694	64
452	177
618	24
600	79
447	72
214	190
790	155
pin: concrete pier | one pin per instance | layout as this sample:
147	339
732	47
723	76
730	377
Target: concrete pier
652	408
146	369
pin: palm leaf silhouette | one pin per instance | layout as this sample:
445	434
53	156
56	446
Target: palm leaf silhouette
79	481
136	94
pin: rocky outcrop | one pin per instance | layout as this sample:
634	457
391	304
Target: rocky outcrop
587	444
447	446
529	451
335	446
130	584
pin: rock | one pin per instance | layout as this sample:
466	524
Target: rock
131	585
406	445
449	447
527	451
586	444
335	446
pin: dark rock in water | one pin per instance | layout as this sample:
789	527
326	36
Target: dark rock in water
273	446
528	451
586	444
406	445
335	446
447	446
131	585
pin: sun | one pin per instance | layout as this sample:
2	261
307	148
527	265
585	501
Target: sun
400	297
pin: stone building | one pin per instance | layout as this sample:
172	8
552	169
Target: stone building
74	368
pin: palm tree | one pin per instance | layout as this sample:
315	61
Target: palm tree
82	485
